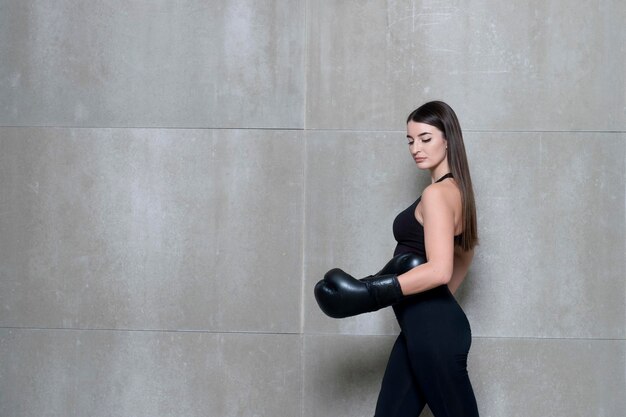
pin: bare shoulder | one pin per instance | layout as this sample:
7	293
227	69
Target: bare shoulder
445	193
439	198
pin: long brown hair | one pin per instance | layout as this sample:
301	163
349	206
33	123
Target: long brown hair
441	116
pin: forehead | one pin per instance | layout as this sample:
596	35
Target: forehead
415	129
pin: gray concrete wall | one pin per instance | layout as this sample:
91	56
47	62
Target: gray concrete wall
176	175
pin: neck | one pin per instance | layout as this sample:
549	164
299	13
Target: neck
439	172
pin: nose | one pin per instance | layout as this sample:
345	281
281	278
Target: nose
414	148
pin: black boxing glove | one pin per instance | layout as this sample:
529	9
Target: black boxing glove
400	264
340	295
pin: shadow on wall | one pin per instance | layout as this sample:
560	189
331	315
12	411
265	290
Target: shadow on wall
348	375
354	371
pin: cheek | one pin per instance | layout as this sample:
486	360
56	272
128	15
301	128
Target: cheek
437	149
439	152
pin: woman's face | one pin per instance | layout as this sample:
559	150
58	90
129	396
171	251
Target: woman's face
426	144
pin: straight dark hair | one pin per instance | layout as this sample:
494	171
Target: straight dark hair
441	116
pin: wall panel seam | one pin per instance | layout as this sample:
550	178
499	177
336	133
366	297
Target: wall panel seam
294	129
301	334
303	232
77	329
474	337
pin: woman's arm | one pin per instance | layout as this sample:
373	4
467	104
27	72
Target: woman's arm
437	209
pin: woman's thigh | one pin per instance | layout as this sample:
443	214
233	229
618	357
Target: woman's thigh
399	394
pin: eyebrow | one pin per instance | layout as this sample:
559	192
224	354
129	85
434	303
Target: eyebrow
420	135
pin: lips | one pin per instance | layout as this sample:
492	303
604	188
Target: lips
418	160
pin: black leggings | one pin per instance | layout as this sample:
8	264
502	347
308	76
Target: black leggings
428	363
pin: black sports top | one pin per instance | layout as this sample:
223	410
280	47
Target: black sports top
409	233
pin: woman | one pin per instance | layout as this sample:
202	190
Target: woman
428	361
436	237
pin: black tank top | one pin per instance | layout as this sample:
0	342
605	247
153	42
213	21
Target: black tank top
409	233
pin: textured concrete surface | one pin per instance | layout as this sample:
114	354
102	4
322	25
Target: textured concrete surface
190	63
551	260
176	176
109	373
151	229
516	66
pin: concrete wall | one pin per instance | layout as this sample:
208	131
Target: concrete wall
176	175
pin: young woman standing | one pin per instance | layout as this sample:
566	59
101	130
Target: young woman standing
435	237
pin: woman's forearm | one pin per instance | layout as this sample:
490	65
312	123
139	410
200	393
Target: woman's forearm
424	277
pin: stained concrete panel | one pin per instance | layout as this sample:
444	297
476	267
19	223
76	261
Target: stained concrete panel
113	373
503	66
551	260
151	229
116	63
